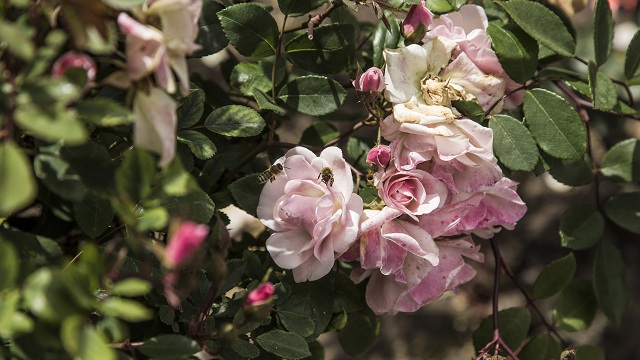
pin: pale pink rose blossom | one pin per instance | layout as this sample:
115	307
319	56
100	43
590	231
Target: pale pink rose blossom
260	295
467	27
420	133
481	213
379	155
313	221
155	124
184	244
392	293
73	59
144	46
413	192
418	15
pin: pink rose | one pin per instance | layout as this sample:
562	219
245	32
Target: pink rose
380	156
72	59
312	211
392	293
467	27
417	21
420	133
155	124
413	192
369	84
260	295
184	243
145	49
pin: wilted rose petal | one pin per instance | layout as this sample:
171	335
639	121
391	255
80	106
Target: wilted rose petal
145	47
155	124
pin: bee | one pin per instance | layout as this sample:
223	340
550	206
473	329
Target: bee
270	174
326	176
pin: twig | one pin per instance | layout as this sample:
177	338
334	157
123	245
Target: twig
314	21
523	87
196	324
348	132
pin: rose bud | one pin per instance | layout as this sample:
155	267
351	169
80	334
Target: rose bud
260	295
74	59
380	156
415	25
369	84
185	243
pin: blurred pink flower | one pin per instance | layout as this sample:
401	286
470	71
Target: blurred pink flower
144	47
155	124
184	243
313	221
73	59
260	295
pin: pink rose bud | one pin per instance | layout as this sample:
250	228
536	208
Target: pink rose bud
260	295
371	80
379	155
185	243
74	59
415	25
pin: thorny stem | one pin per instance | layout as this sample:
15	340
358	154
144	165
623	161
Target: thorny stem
196	323
619	82
314	21
346	133
523	87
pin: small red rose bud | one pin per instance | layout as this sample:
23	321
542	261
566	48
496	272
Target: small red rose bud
72	59
260	295
379	155
415	25
369	84
185	243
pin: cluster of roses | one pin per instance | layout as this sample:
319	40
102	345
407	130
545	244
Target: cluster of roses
438	178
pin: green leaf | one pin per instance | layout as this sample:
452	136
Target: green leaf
169	347
581	226
295	8
59	177
33	251
624	210
609	272
167	314
17	37
135	175
17	183
152	219
589	352
297	323
251	29
199	144
513	143
571	172
93	215
196	206
554	123
235	121
514	326
131	287
94	347
284	344
191	109
246	191
603	91
554	277
360	333
622	161
541	347
245	349
439	6
319	133
632	59
313	299
9	266
104	112
313	95
517	51
602	31
470	109
266	102
330	51
542	24
46	295
575	307
382	39
248	76
129	310
210	34
123	4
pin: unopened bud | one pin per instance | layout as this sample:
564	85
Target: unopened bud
415	25
380	156
260	295
185	243
369	84
74	59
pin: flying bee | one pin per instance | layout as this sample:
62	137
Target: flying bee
326	176
270	174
